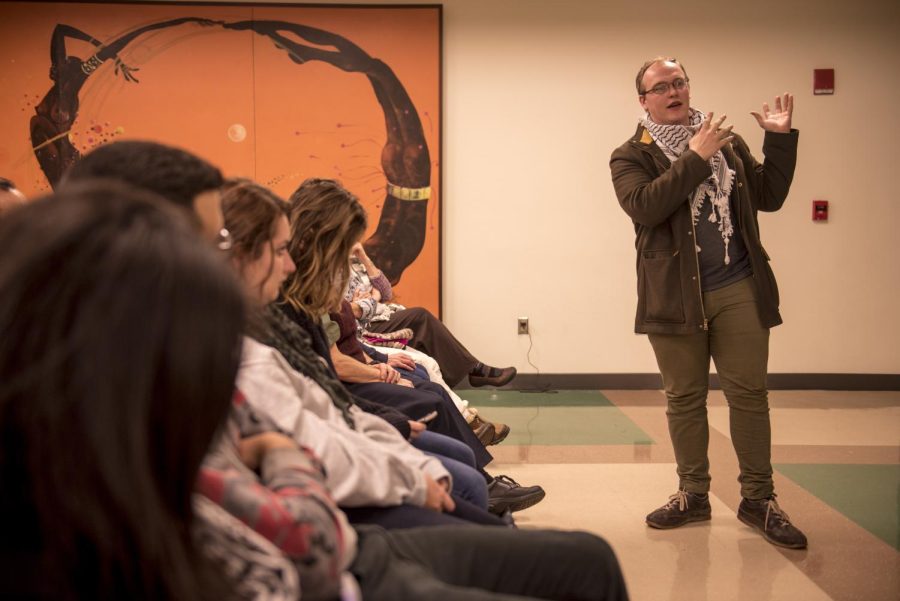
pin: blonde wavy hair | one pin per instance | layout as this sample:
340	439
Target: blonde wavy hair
326	221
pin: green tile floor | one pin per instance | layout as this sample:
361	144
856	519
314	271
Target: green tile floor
867	494
570	417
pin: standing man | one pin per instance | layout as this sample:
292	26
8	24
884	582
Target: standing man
705	289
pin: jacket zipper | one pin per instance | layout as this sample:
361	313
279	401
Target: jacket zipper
697	265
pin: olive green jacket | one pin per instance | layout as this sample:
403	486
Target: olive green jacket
655	194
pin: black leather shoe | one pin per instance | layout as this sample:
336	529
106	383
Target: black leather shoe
683	507
766	516
495	377
504	494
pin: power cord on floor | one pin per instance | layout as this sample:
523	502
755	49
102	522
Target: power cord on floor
547	388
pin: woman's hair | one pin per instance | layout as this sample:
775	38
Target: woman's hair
326	221
121	342
251	215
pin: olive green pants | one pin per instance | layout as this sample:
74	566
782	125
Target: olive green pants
739	345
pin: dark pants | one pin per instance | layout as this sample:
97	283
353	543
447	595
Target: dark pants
433	338
485	564
739	344
410	516
421	400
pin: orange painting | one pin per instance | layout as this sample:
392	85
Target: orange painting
276	93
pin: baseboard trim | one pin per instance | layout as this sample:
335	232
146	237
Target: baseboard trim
646	381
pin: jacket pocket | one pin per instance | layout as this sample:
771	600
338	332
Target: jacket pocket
660	286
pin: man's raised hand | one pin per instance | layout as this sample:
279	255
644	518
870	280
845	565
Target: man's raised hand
778	120
711	137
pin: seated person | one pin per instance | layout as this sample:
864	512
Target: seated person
370	293
184	179
488	432
395	386
369	464
290	499
349	346
121	334
327	220
177	175
116	520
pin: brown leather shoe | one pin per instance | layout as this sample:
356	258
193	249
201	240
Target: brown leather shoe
483	430
489	433
501	432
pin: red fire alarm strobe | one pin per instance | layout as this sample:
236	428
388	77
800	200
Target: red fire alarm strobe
823	81
820	210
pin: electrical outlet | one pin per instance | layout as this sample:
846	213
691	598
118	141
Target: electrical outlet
523	325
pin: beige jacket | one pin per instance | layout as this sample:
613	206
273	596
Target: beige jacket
369	466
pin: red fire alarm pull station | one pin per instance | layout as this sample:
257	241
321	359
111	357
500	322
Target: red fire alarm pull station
820	210
823	81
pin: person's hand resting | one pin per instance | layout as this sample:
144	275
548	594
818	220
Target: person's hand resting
387	374
437	498
252	449
401	361
415	429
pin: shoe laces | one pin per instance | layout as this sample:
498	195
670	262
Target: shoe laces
507	480
776	512
680	498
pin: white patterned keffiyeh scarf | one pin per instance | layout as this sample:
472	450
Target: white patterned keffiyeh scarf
673	140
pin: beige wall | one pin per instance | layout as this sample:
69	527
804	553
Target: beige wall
538	93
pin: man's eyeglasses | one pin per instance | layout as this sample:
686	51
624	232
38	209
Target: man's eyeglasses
223	240
663	87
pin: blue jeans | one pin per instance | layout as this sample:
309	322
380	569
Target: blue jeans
458	458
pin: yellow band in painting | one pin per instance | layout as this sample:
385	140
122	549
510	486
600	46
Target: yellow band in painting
401	193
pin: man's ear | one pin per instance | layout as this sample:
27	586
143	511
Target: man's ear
643	100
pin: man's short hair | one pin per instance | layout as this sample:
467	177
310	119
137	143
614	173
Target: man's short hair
650	63
173	173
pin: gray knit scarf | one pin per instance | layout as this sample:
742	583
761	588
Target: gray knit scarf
273	328
673	140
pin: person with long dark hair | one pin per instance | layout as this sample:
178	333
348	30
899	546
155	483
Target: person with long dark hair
121	338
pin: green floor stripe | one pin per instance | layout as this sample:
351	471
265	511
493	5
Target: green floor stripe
515	398
867	494
570	417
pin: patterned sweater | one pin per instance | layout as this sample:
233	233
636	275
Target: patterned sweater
287	504
372	310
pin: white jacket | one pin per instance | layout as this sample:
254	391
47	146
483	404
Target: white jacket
369	466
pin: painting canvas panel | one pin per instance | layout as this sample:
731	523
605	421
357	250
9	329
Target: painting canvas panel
276	93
